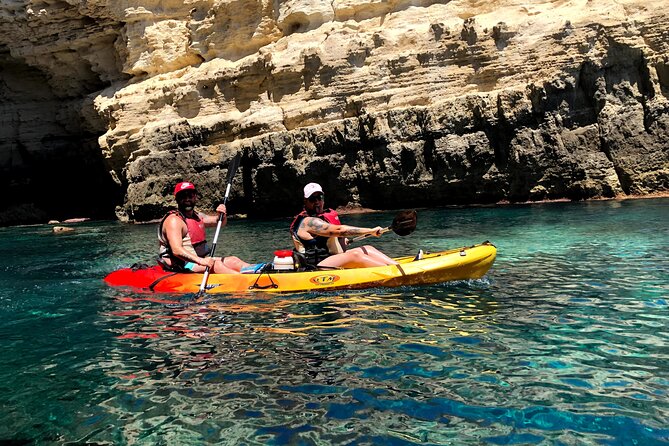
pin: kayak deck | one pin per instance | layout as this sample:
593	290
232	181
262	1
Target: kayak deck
456	264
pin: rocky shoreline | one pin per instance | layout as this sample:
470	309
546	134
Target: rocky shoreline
354	210
346	210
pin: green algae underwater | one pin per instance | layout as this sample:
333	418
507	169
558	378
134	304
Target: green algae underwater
564	342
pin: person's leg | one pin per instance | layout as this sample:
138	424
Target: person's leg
234	263
225	265
355	258
377	255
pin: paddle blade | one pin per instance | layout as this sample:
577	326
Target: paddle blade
404	223
232	168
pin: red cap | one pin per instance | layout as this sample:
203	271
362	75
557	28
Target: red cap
184	185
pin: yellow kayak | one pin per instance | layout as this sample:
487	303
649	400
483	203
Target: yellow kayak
471	262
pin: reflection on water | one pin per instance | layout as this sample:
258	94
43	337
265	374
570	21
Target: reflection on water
278	356
417	357
564	342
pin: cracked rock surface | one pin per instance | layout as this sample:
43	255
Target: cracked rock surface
387	104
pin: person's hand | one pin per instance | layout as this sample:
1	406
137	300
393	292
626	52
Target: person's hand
209	262
221	209
376	232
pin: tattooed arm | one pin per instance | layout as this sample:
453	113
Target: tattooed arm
311	227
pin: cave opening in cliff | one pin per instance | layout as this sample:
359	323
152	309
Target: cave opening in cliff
50	163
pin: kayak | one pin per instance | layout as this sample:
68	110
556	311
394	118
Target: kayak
471	262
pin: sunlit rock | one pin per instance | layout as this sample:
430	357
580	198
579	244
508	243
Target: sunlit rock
390	103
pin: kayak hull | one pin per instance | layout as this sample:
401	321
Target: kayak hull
457	264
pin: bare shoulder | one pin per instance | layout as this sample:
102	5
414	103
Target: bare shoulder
172	217
172	222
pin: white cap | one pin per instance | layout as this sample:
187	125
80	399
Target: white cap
311	189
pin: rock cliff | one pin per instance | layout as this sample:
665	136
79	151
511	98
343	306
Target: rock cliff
388	104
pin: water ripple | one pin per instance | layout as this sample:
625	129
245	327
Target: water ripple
562	343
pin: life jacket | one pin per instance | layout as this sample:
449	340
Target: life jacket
319	248
194	241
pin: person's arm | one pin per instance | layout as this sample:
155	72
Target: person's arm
173	228
211	220
311	226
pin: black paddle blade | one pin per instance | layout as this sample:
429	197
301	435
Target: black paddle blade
404	223
234	164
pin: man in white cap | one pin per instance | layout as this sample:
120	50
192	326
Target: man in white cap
182	237
319	235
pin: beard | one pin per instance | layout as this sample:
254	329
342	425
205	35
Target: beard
186	207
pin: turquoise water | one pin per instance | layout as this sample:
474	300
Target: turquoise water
564	342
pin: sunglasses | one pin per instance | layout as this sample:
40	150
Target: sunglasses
315	198
187	194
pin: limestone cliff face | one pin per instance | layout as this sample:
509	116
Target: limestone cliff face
387	103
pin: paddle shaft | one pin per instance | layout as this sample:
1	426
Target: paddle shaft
219	224
231	173
403	224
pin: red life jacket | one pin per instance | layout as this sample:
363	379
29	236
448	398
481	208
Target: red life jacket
196	232
329	215
195	229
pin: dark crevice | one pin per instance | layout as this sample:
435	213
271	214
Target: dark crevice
662	70
53	168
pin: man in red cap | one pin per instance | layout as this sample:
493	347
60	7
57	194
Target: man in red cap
319	235
182	237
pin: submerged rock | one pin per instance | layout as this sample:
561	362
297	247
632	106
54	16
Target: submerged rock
58	229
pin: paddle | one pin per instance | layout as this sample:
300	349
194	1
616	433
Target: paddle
232	168
403	224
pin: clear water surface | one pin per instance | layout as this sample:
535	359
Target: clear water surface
564	342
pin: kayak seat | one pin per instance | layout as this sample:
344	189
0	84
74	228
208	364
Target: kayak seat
301	262
170	268
138	266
